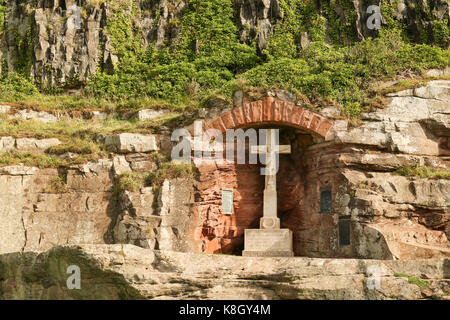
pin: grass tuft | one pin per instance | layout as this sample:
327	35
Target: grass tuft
423	172
418	282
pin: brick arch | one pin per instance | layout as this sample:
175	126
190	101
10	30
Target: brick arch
272	111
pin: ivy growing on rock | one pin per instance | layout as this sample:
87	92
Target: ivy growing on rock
314	51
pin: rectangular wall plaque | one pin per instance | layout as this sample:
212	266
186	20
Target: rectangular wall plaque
325	200
227	201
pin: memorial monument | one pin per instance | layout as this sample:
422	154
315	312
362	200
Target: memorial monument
270	240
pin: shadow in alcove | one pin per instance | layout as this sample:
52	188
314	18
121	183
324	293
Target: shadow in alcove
249	205
446	268
290	187
112	211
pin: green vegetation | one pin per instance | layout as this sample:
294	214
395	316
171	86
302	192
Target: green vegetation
134	181
58	184
419	282
15	87
129	181
29	159
2	15
404	85
209	60
80	138
170	170
423	172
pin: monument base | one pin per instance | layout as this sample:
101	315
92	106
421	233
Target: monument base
268	243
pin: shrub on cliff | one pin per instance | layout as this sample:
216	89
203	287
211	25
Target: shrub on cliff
14	87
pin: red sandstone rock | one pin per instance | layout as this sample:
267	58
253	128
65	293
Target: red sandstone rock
238	116
306	119
287	111
257	111
267	107
272	110
278	107
314	125
218	125
228	121
247	110
297	113
324	127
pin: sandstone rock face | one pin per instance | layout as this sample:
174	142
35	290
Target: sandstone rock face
220	233
167	226
129	272
414	14
388	216
415	122
120	165
131	143
86	209
38	218
62	51
7	144
137	224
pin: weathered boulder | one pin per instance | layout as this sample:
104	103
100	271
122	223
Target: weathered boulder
150	114
27	144
120	165
129	142
30	144
40	116
4	109
7	144
141	162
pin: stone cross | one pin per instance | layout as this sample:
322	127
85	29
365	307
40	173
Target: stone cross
270	219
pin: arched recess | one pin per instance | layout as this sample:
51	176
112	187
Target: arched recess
220	233
270	111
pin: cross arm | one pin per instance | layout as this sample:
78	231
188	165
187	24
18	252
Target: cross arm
258	149
284	149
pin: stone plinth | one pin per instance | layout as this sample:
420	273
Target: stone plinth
268	243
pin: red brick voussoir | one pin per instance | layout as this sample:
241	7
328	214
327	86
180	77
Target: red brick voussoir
272	111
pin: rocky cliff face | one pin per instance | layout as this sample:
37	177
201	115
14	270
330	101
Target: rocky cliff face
58	45
85	208
146	242
129	272
412	131
391	216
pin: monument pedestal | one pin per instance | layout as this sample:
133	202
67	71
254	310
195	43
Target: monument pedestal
268	243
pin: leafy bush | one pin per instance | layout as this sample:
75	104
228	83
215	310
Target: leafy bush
3	9
14	87
209	59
